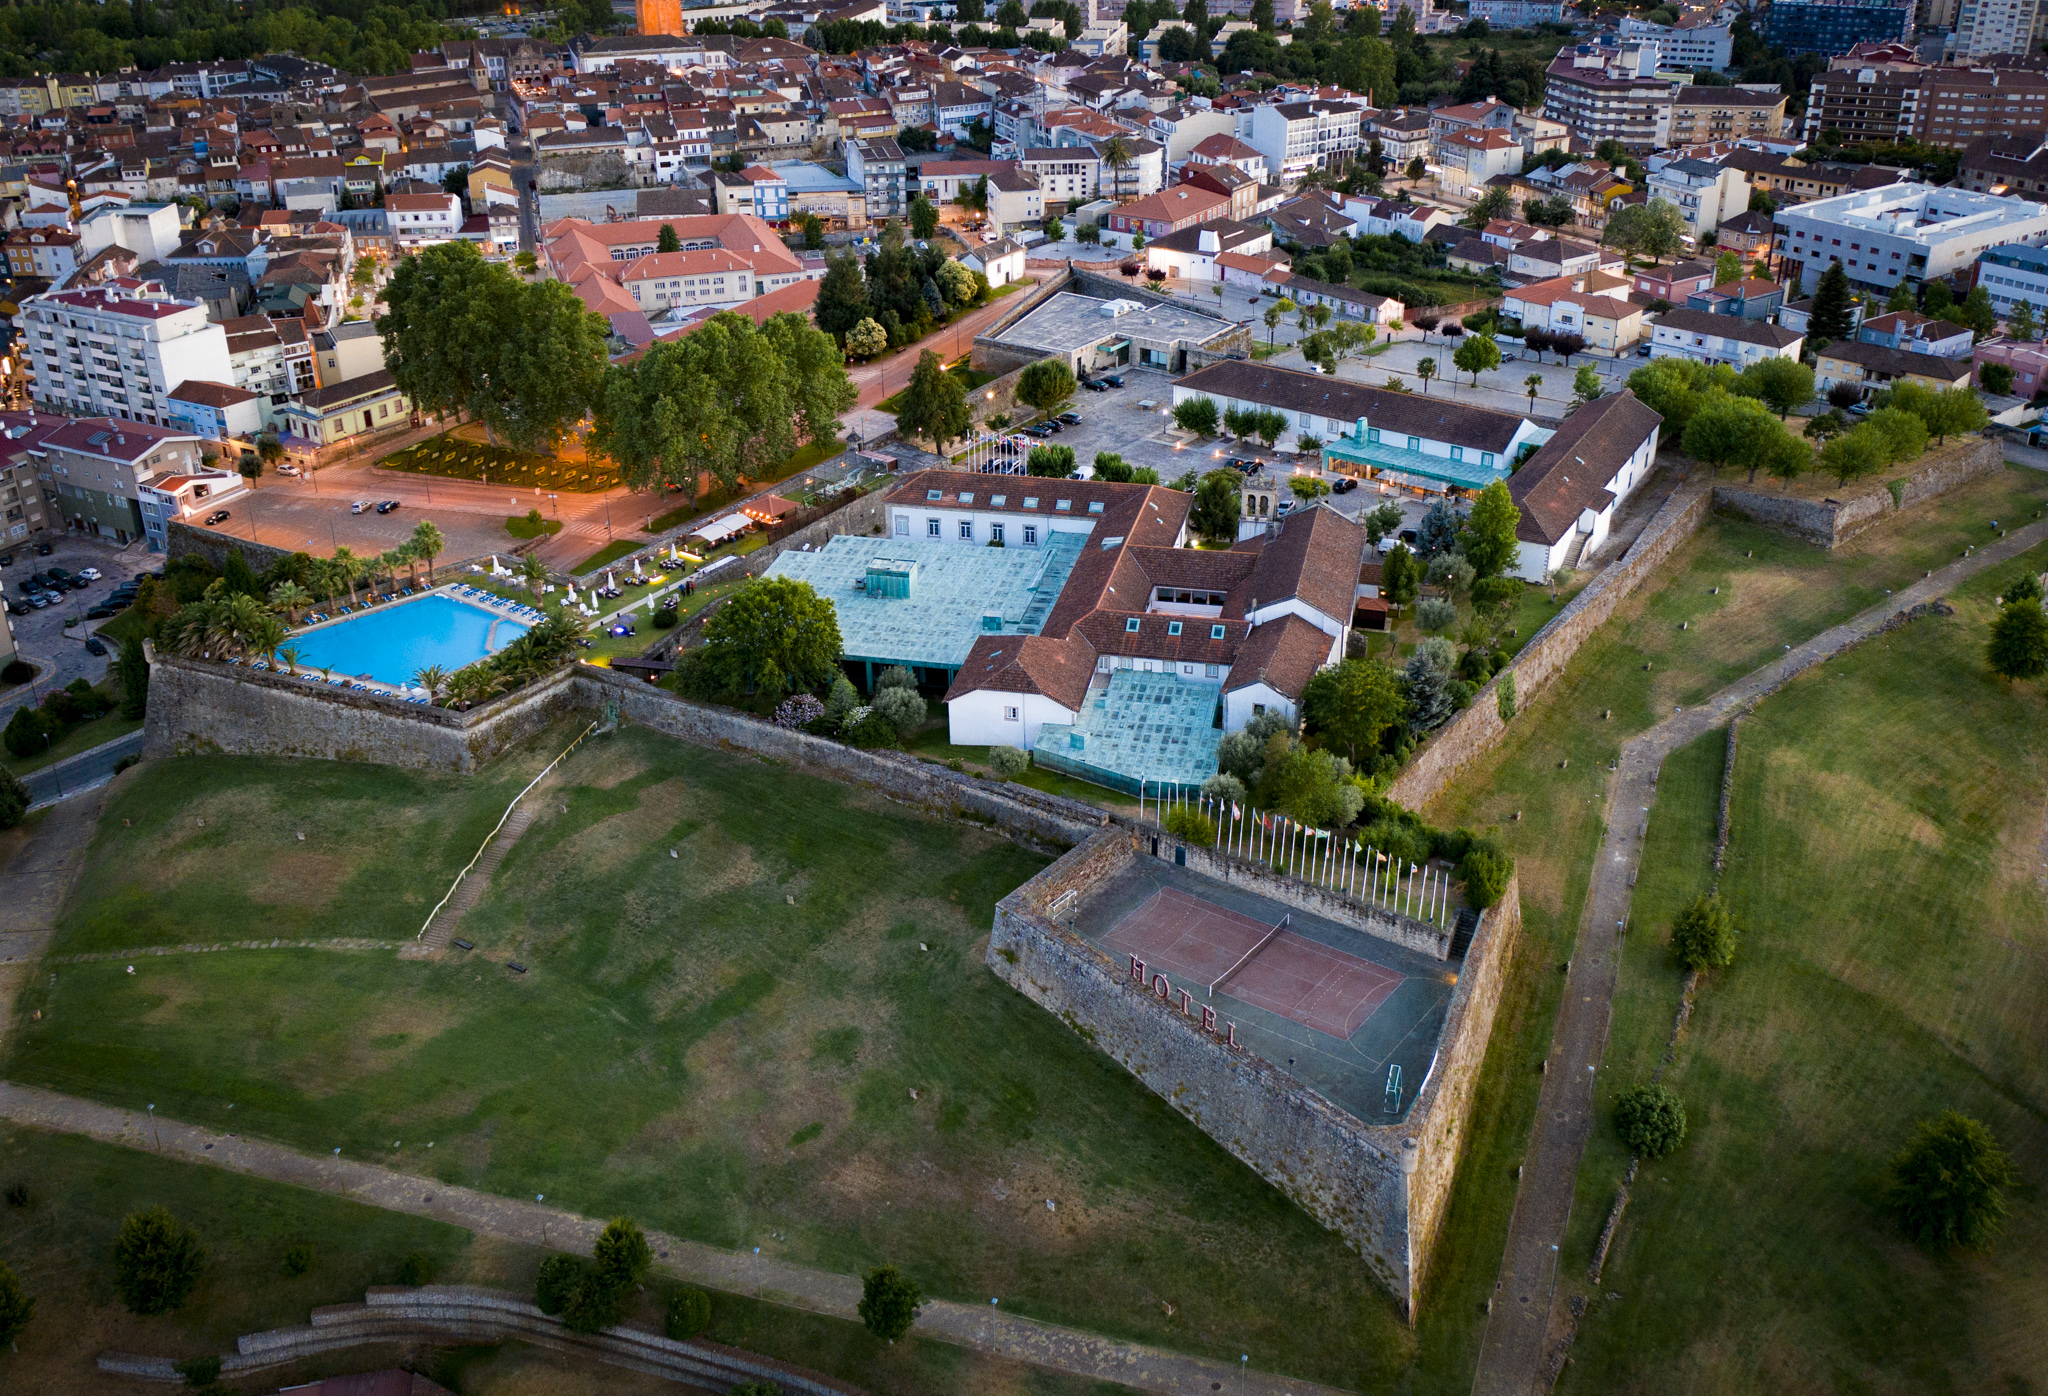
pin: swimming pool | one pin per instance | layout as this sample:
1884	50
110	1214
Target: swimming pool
395	642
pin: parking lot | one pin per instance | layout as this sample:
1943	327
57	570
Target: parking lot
53	638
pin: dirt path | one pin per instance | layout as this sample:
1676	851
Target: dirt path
1513	1360
33	886
986	1329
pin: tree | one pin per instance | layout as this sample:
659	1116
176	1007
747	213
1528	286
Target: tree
774	635
1308	487
1534	383
1781	384
237	577
890	1299
1219	498
269	449
1400	575
1586	386
1954	411
814	230
1727	268
1490	544
729	400
956	282
667	240
1703	936
132	669
1650	1120
1435	614
157	1262
1112	467
1995	379
2019	639
924	217
934	406
1904	434
867	339
842	297
1438	531
1977	313
1936	298
1494	203
1478	354
1379	522
1416	169
14	796
2019	322
1901	298
1855	454
1425	369
1674	388
428	542
1948	1185
621	1252
1046	384
1353	704
1051	462
1275	313
1830	318
1197	414
17	1307
1652	230
688	1314
1553	212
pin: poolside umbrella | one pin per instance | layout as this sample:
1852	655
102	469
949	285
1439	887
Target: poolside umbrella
572	592
636	568
608	582
672	550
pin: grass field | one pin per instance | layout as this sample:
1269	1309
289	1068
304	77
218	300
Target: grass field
1552	771
783	1036
1885	869
60	1246
459	458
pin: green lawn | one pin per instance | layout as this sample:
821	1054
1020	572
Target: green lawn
79	1190
1552	773
932	744
610	552
724	1043
83	737
521	526
457	458
1885	873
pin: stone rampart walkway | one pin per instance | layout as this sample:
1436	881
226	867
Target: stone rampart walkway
984	1328
1512	1358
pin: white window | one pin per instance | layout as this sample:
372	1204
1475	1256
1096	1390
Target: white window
1030	535
931	528
903	525
995	533
1009	714
967	530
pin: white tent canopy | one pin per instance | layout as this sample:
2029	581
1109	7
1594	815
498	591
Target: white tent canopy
718	530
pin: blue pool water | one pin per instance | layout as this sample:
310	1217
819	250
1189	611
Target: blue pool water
396	642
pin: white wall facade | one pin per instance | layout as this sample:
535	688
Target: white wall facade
991	718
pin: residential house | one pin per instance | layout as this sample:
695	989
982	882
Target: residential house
878	166
1195	254
1570	489
423	218
215	411
1673	283
1014	199
1545	259
1168	211
1919	334
1751	298
2028	362
358	407
1468	159
1069	174
1721	339
1867	366
1563	305
1001	261
1704	193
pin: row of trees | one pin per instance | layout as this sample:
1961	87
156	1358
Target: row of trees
896	296
529	362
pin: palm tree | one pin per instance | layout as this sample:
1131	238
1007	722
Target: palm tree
431	678
288	658
347	567
291	598
430	543
1275	312
1425	369
534	571
1533	383
1117	156
472	685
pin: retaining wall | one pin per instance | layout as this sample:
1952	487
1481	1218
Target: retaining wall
1833	522
183	538
1476	730
1382	1188
197	706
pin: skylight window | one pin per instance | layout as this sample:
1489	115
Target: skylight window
1095	506
1173	627
1067	504
997	501
1030	501
933	496
967	497
1131	625
1215	632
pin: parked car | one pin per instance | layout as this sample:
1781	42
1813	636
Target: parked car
96	613
217	516
95	645
387	506
1053	427
56	574
288	469
18	608
1042	429
39	600
1072	419
44	550
1344	486
6	559
1115	380
79	583
91	574
361	506
1096	385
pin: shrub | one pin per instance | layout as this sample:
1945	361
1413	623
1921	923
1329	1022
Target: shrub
866	727
1190	825
415	1268
1490	593
689	1313
558	1278
901	708
1226	788
1506	696
1650	1120
1433	613
14	800
1008	762
17	1307
1703	936
198	1371
1948	1186
799	710
841	700
298	1258
1197	414
895	676
665	618
621	1252
157	1262
889	1301
595	1304
1485	871
18	671
23	735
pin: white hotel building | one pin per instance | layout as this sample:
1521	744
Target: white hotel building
1297	136
1902	232
117	350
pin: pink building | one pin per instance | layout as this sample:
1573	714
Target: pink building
2029	364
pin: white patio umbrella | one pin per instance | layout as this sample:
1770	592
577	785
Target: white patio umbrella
636	568
572	592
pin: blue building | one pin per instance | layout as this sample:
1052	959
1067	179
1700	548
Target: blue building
1832	27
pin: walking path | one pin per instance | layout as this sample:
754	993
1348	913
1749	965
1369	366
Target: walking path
194	948
33	886
983	1328
1512	1356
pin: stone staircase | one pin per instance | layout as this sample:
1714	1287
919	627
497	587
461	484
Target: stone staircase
475	881
1461	934
435	1314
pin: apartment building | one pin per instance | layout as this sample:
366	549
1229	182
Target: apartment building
1604	94
23	508
1695	41
1517	14
1298	136
1871	104
1991	165
1468	159
1704	193
1168	211
1070	174
877	166
1705	115
96	466
1957	105
1905	232
418	218
1986	27
2015	274
1835	26
118	349
710	276
1721	339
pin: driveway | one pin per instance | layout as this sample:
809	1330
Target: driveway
53	639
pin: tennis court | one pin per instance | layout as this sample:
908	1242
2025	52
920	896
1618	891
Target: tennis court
1205	948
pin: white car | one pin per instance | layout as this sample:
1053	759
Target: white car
361	506
288	469
91	574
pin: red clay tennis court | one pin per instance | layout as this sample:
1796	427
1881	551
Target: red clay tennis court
1195	943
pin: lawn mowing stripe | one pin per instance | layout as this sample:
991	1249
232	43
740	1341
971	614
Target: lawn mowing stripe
533	1223
339	943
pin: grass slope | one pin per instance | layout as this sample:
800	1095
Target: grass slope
1885	872
748	1043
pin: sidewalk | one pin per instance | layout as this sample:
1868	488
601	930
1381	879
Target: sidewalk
984	1328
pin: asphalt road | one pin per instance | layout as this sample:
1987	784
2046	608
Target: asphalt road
75	774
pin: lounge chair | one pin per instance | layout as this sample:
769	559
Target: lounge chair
337	683
261	664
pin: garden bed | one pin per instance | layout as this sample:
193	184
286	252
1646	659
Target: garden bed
456	458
